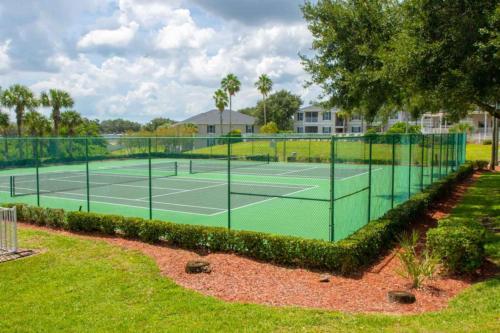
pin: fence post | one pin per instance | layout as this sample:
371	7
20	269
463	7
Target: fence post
150	181
37	166
87	172
309	153
409	167
332	188
440	153
447	147
422	163
393	168
432	159
284	150
229	183
369	178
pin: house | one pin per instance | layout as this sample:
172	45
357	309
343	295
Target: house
315	119
208	123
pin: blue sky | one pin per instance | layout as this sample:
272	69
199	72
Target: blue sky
140	59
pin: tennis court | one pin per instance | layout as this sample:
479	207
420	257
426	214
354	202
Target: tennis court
260	192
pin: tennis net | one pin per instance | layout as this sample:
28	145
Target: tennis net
51	182
220	164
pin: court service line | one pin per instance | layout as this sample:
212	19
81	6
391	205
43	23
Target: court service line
360	174
183	191
259	202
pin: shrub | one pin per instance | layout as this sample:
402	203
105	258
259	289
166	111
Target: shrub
480	164
459	244
487	142
344	256
414	267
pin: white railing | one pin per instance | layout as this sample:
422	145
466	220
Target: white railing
8	230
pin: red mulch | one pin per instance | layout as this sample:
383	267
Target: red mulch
240	279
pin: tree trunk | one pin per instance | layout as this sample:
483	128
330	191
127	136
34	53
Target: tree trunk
494	145
220	116
230	108
265	111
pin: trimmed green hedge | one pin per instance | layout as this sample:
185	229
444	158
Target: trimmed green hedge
459	244
345	256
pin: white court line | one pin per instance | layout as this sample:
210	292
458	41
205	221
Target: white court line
300	170
359	174
129	199
244	183
259	202
183	191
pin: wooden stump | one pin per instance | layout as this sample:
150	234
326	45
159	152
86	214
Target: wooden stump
198	266
402	297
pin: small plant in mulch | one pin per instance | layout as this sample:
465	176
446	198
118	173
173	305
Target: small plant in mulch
417	268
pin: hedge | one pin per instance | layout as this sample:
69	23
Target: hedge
345	256
459	244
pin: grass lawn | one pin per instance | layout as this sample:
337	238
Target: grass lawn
477	151
87	286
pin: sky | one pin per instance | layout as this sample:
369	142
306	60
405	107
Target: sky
141	59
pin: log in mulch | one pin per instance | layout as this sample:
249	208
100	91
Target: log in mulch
237	279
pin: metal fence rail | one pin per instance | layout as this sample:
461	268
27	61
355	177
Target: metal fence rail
8	230
308	186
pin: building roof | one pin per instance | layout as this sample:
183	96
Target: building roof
212	117
316	108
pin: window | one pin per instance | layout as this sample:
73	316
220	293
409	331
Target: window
327	116
356	129
300	116
211	129
312	117
339	130
311	129
300	129
355	117
339	121
249	129
327	130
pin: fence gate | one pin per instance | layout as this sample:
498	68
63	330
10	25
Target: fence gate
8	230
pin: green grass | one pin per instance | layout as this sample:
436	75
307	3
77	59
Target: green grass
483	200
90	286
478	152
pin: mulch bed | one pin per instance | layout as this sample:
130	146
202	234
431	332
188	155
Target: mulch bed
237	279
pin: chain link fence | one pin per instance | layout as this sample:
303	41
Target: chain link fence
308	186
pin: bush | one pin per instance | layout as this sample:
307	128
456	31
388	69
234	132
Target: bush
458	244
344	256
480	164
487	142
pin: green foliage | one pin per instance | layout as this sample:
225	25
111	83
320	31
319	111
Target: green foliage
118	126
280	106
403	127
459	245
36	124
414	267
155	123
250	111
461	128
20	98
487	142
57	99
269	128
345	256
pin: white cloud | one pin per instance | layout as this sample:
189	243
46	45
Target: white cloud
4	56
181	32
120	37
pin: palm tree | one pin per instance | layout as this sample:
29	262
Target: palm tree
220	98
71	120
231	85
4	126
20	98
264	85
36	124
57	99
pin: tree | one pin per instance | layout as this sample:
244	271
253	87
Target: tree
402	127
157	122
70	121
250	111
264	85
269	128
349	39
57	99
282	105
451	49
88	127
461	128
20	98
119	126
231	85
220	99
36	124
4	126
